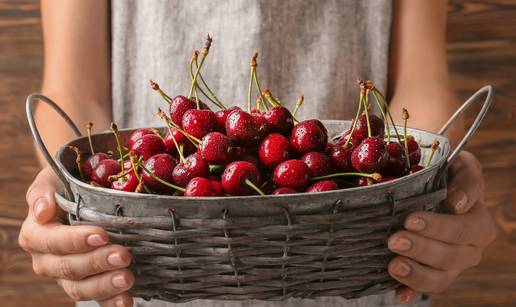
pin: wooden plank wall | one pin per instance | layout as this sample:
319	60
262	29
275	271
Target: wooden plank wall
482	50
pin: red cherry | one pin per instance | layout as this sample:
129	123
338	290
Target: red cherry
321	186
318	163
377	127
198	187
279	191
137	134
370	156
91	163
341	157
127	183
275	148
414	169
242	128
221	116
169	140
193	166
279	120
104	169
329	146
319	124
199	122
148	146
127	165
307	136
235	176
263	125
413	150
291	174
161	165
218	189
364	181
178	106
215	148
395	164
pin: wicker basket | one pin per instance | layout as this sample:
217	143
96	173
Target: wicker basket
256	247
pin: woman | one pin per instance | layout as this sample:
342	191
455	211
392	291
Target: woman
315	48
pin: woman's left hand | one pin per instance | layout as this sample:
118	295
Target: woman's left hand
435	248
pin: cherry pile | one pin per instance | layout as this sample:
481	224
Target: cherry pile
261	150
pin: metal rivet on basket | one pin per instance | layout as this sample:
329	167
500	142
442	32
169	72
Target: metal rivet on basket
173	217
225	215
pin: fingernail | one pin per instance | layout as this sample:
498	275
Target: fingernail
415	223
119	281
95	240
40	207
119	303
401	269
460	199
400	244
115	259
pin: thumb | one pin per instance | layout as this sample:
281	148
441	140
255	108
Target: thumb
40	196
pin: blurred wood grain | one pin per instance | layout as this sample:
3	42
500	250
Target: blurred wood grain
481	48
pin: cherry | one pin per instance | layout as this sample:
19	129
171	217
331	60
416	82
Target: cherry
280	120
104	169
241	178
199	122
395	164
307	136
242	128
279	191
198	187
318	163
329	146
263	126
341	157
91	163
161	165
218	189
364	181
193	166
128	182
370	156
178	106
414	151
291	174
221	116
148	146
319	124
414	169
274	149
377	127
137	134
321	186
215	148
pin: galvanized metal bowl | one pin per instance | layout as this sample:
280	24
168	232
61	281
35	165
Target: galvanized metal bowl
256	247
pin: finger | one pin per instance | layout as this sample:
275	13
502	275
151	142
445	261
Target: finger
58	239
99	287
406	295
79	266
121	300
420	277
433	253
40	198
467	184
475	227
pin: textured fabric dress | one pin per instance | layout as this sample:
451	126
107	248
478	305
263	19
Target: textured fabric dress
314	48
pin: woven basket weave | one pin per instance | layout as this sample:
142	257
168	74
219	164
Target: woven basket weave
256	247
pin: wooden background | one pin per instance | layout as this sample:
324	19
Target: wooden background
482	50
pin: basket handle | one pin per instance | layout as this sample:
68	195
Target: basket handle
29	109
488	89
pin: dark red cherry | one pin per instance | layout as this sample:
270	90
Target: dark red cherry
193	166
318	163
319	124
199	122
341	157
364	181
395	164
91	163
329	146
218	190
221	116
323	185
198	187
414	150
148	146
215	148
414	169
242	128
137	134
263	125
377	127
178	106
169	140
291	174
235	176
275	148
127	183
307	136
370	156
279	191
104	169
279	120
161	165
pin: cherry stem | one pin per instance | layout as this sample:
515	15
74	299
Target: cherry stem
195	141
258	104
156	132
374	176
405	117
365	101
178	148
204	54
89	125
299	102
156	87
121	175
217	169
250	89
435	145
215	99
272	101
200	89
254	187
78	160
114	128
257	82
168	184
134	165
383	101
355	121
385	119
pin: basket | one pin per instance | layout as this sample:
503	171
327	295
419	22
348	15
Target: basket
256	247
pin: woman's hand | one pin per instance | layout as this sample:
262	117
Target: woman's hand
78	257
435	248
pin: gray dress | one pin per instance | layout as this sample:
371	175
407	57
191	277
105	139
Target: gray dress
314	48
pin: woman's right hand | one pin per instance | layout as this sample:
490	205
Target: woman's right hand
79	258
